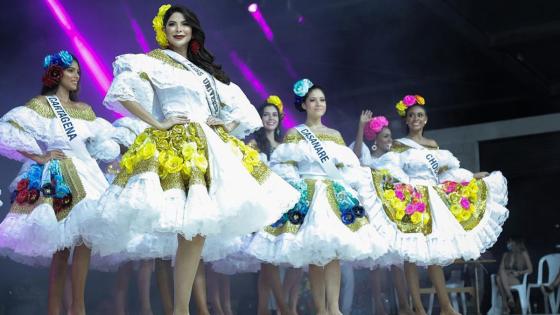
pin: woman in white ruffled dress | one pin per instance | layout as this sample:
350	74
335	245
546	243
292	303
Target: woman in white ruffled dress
60	182
377	129
187	175
328	224
435	211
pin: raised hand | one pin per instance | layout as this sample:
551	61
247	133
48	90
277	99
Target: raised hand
366	116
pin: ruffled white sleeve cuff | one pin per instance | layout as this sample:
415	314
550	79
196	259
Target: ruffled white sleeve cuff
365	157
283	163
236	107
130	84
102	146
13	139
127	129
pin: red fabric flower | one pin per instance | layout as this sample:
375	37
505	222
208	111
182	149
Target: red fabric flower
22	184
33	196
195	46
52	76
22	196
67	200
57	205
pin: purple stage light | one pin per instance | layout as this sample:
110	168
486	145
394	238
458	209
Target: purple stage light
248	75
300	19
101	76
253	7
139	36
259	18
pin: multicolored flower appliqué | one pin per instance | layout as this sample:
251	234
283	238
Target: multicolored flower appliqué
297	214
462	198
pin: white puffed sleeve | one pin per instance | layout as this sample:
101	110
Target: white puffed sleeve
450	168
127	129
102	146
131	83
391	161
283	161
237	107
20	130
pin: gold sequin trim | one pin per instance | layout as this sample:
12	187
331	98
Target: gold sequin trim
70	175
27	208
15	124
296	137
287	227
479	206
163	57
404	225
40	106
144	76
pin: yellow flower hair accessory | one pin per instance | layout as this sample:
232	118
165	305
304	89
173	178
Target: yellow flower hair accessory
276	101
409	101
157	24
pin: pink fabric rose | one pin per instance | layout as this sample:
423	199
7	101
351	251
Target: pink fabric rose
409	100
375	125
465	203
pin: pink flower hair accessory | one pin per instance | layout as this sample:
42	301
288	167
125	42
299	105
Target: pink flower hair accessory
375	125
409	101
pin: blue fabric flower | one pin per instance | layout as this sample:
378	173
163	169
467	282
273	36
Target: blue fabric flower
359	211
302	86
348	217
61	190
34	174
295	217
65	58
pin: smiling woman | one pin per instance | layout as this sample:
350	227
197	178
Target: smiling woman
188	176
59	139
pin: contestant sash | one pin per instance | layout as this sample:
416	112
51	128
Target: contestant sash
431	159
324	159
207	80
69	128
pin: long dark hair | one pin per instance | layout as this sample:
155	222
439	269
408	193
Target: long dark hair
260	135
203	58
300	100
45	90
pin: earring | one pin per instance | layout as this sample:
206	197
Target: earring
374	147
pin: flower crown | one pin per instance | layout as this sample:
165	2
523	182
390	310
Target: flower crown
301	88
62	58
408	101
157	24
54	65
375	126
276	101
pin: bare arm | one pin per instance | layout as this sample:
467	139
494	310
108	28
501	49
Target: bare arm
365	117
139	111
42	159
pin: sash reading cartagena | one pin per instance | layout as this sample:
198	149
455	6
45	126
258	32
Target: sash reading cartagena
316	144
64	118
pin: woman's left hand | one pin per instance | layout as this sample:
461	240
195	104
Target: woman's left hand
213	121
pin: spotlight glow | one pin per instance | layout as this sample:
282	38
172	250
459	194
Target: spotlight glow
253	7
259	18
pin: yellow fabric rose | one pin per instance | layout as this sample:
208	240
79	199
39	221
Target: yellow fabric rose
187	167
466	215
127	163
456	209
276	101
147	151
416	217
420	100
389	194
200	162
425	218
454	197
174	164
399	214
141	138
188	150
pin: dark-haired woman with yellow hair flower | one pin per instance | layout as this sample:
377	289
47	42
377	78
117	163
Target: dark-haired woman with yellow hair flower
187	175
